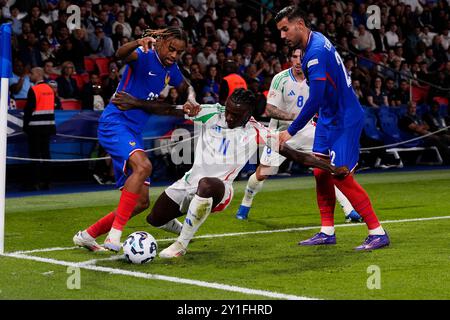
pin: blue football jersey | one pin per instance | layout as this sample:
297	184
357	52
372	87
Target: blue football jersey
338	106
143	78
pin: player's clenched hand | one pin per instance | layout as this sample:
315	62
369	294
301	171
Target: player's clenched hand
340	172
191	109
284	136
123	100
146	43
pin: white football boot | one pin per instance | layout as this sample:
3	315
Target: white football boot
176	249
89	244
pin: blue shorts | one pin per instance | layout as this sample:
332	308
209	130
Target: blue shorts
120	142
340	144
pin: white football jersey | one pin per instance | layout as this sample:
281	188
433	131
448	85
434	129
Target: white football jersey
223	152
287	94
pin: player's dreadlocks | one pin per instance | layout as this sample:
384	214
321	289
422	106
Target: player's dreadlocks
165	34
244	97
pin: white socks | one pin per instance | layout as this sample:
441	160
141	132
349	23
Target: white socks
377	231
173	226
114	235
329	231
343	201
253	187
198	211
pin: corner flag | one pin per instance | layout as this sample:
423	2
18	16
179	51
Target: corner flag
5	74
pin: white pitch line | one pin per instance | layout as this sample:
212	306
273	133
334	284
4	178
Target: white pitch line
210	236
94	261
204	284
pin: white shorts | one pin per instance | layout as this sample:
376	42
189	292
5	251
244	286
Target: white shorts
182	193
303	140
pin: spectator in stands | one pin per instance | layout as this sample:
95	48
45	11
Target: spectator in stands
390	91
37	24
30	53
191	23
197	79
50	37
412	126
68	52
54	85
50	73
426	36
377	96
174	97
100	43
436	121
379	36
392	36
111	82
222	33
92	94
16	23
206	57
126	28
403	95
106	21
211	87
19	83
46	51
365	39
358	91
67	86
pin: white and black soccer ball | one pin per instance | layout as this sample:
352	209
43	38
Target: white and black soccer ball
140	247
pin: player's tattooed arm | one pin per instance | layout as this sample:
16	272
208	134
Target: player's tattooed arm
275	113
127	51
310	160
125	101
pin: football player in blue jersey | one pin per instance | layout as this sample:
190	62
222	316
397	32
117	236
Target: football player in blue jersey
150	67
339	126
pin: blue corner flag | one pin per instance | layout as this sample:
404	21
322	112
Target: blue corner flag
5	51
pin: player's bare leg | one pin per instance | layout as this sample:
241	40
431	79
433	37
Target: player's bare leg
164	214
255	184
86	238
134	194
209	193
359	199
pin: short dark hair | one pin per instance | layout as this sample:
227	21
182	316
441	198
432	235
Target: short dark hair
291	12
242	96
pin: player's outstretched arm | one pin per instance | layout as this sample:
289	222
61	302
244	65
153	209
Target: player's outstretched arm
127	51
310	160
275	113
124	101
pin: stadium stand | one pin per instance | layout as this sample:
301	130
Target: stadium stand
408	48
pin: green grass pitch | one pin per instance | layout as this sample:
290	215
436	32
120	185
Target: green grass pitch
415	266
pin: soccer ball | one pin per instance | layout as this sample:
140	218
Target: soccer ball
140	247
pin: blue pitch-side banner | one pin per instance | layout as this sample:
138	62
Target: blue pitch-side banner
5	51
77	124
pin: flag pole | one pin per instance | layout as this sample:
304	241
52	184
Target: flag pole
5	74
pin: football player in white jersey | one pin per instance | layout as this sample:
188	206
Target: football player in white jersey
228	138
287	96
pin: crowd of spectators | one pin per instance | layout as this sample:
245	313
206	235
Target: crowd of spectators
411	50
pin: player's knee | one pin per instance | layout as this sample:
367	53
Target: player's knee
206	187
260	176
143	168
